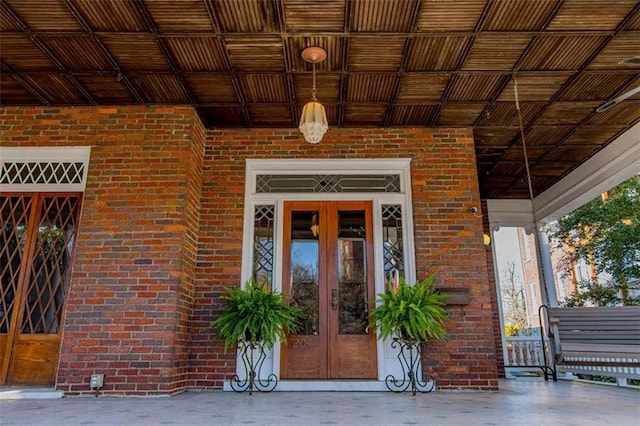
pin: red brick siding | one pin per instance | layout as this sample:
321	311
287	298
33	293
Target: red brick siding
128	305
448	238
135	277
193	164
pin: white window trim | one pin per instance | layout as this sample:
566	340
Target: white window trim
401	166
46	155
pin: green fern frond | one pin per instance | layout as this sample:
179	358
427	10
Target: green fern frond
417	312
255	313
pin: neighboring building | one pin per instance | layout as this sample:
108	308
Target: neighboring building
533	290
568	274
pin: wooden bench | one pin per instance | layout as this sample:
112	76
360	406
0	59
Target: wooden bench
596	341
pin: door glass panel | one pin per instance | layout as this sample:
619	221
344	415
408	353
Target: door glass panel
352	277
51	264
305	255
392	242
263	245
13	235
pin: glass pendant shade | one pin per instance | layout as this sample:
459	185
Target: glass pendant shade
313	123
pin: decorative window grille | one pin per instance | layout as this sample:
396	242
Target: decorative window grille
47	173
392	243
263	246
37	295
269	183
13	236
50	267
43	169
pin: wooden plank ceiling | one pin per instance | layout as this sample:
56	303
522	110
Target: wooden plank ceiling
390	63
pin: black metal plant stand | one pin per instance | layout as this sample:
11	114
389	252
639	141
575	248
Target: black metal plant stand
409	357
252	366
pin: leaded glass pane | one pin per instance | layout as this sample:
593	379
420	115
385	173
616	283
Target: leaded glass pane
263	244
392	243
327	183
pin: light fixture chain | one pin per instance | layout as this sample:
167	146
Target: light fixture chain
313	88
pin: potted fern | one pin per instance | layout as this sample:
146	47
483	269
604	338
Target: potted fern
254	318
255	313
415	312
411	315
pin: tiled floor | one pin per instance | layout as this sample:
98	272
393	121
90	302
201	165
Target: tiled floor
519	402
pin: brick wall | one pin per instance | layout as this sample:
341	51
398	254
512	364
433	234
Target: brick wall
448	238
148	205
192	170
128	305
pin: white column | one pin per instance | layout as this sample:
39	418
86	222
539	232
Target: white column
546	269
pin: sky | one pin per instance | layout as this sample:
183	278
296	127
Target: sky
507	249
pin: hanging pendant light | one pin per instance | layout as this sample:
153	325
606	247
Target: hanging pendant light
313	122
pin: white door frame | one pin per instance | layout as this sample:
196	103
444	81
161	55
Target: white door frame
387	358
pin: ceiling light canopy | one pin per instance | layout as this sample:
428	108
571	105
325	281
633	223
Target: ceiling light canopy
313	122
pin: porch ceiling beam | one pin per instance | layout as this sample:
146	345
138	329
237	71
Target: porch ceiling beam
344	72
43	47
7	70
166	53
346	33
463	57
567	84
344	67
213	18
96	39
403	64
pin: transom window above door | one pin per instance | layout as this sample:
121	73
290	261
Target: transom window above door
328	183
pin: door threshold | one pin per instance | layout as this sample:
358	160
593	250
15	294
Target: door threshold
27	392
355	385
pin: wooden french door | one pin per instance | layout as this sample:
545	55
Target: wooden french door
328	271
37	238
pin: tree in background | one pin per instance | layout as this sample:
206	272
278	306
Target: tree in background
513	300
605	233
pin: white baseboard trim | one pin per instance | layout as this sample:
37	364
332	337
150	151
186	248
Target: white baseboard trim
10	393
325	386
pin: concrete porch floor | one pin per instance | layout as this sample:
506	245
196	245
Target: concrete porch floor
519	402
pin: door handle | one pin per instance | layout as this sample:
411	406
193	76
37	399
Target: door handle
334	299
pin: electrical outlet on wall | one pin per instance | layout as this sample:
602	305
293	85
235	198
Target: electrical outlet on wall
97	381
